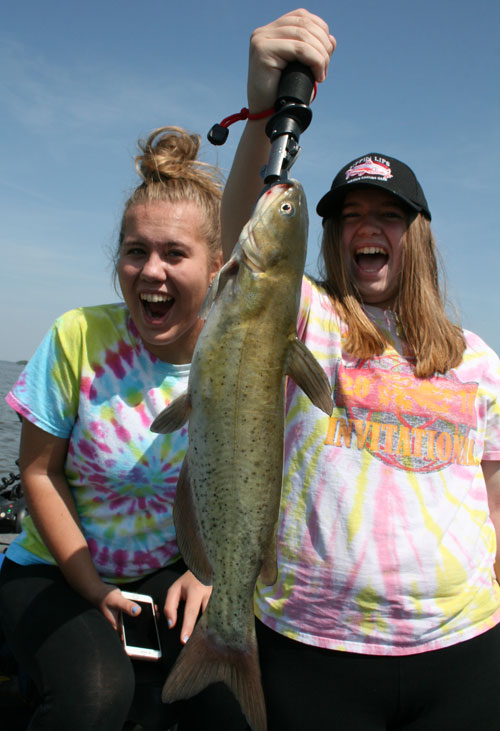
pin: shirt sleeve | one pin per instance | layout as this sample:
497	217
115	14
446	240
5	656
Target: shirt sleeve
491	385
47	391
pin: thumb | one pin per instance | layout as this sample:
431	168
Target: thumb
132	609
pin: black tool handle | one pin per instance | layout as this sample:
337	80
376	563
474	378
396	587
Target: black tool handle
296	85
292	114
291	117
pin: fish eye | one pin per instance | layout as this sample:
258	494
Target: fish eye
287	209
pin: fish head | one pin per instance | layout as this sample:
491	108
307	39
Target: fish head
275	237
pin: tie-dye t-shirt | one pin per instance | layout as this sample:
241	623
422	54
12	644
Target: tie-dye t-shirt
385	542
93	382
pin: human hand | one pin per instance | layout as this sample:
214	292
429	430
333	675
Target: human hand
111	602
187	588
296	36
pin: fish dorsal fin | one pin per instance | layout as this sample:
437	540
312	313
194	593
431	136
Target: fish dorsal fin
309	375
188	531
174	416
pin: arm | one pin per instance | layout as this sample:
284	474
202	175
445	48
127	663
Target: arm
53	510
296	36
491	472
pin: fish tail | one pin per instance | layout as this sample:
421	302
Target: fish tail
205	660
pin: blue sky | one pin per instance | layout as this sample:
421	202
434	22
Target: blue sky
81	82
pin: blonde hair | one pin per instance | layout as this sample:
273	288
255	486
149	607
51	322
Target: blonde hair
170	171
436	342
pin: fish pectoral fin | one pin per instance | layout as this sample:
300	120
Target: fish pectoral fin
187	528
174	416
309	375
269	569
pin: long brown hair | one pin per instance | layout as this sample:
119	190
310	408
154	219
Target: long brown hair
170	171
437	343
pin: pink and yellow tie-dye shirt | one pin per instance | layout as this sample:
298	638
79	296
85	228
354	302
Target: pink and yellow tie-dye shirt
93	382
385	543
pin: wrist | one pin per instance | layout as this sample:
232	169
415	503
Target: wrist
95	591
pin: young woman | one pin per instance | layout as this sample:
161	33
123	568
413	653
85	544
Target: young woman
386	611
99	485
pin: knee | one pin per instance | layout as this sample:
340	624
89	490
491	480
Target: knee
107	694
98	695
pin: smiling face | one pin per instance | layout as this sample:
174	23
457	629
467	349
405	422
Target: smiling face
374	224
164	269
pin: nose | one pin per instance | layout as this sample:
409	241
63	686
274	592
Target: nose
369	223
154	268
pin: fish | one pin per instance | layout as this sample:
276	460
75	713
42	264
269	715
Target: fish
227	501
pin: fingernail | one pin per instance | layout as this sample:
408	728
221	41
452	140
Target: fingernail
185	638
135	609
169	622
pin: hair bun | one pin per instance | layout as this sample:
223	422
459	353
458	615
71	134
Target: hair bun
170	172
168	152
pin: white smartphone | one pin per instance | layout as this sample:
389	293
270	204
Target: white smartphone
140	633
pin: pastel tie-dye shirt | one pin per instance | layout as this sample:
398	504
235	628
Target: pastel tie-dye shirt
93	382
385	542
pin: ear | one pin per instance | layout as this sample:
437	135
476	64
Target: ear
218	261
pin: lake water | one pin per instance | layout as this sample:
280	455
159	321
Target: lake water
10	426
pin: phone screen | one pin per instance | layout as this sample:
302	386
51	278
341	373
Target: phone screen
141	631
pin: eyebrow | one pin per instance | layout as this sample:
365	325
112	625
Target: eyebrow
386	204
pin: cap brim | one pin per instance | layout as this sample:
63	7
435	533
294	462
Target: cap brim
331	201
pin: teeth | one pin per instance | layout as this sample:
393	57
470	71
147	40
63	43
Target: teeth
371	250
155	297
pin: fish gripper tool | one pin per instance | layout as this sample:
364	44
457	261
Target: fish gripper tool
291	117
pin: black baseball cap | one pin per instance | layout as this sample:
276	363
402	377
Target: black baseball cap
375	171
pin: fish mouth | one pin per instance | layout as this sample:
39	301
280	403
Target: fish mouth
156	306
371	259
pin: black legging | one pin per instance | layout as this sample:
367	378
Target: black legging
311	689
88	683
85	680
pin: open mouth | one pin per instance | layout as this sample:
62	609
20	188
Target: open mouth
371	258
156	306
